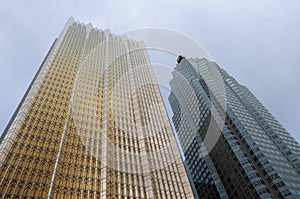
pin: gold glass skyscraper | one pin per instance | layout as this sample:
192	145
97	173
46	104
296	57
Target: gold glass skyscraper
92	125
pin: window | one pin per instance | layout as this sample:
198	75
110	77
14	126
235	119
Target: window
286	192
239	156
249	168
262	191
283	147
275	136
253	175
288	153
274	176
244	133
243	162
280	184
252	143
279	141
234	144
257	183
228	133
266	161
248	138
293	159
260	155
237	149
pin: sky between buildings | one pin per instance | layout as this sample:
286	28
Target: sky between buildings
257	42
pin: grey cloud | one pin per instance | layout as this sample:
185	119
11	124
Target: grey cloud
257	42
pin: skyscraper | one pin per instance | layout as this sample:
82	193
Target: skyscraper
249	155
92	124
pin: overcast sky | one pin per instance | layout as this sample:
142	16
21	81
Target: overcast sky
257	41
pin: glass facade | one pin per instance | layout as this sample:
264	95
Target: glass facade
254	156
92	125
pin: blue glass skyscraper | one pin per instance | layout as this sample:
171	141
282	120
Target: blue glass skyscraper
253	155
